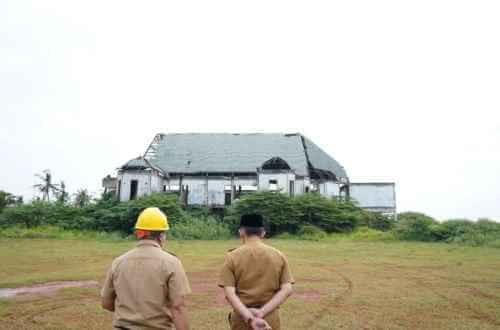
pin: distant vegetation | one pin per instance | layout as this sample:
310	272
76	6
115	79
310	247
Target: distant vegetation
309	216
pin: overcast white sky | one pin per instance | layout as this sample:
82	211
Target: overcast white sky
394	90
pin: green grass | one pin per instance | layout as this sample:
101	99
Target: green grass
341	283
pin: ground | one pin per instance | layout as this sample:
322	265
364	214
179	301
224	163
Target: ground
340	285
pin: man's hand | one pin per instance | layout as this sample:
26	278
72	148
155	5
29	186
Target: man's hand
257	312
259	324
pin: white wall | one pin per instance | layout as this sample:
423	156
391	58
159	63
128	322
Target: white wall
147	182
197	190
374	195
329	189
283	180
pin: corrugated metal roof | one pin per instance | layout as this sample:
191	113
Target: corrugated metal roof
139	163
237	153
321	160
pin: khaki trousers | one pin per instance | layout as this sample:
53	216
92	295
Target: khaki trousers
273	318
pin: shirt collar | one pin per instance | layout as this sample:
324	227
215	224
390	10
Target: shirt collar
148	242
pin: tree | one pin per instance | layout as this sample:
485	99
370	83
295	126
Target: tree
62	195
46	186
6	199
82	198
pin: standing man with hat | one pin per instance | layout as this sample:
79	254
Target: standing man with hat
256	279
145	287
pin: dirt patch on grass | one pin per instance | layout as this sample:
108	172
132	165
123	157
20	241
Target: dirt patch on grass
46	288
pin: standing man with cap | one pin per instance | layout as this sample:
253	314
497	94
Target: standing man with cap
256	279
145	287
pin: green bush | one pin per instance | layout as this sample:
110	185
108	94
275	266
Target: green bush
375	220
414	226
285	214
54	232
311	233
276	208
207	228
330	215
370	234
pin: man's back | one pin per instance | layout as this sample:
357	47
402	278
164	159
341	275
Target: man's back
257	271
145	280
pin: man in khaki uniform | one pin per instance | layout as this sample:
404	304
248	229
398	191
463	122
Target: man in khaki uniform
145	287
256	279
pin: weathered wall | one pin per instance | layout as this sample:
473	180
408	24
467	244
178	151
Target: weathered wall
329	189
374	195
283	180
147	182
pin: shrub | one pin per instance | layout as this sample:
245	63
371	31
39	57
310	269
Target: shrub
285	214
369	234
311	233
375	220
207	228
276	208
415	226
330	215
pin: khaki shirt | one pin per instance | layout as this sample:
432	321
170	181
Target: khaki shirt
144	281
257	271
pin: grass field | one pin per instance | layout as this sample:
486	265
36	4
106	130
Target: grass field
344	284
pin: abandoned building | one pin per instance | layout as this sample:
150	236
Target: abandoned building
216	169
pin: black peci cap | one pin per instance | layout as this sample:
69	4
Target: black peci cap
252	220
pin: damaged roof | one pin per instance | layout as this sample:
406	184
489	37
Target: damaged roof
238	153
139	163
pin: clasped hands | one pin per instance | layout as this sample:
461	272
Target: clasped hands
258	322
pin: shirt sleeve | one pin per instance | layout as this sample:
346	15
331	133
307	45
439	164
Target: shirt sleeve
226	275
178	283
286	274
108	290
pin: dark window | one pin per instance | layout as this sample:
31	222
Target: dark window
133	189
307	189
227	199
273	181
292	188
164	187
275	163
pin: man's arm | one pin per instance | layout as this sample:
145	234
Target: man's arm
108	303
108	294
279	298
177	308
256	323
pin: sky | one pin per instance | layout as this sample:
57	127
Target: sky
403	91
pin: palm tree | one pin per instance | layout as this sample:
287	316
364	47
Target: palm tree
82	198
62	195
46	186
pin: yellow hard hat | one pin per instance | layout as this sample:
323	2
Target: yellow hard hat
152	219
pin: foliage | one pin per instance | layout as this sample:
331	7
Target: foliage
331	215
376	220
200	228
307	217
276	208
46	186
311	233
414	226
7	199
62	196
370	234
288	214
54	232
82	198
29	215
419	227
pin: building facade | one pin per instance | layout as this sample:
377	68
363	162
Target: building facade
216	169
